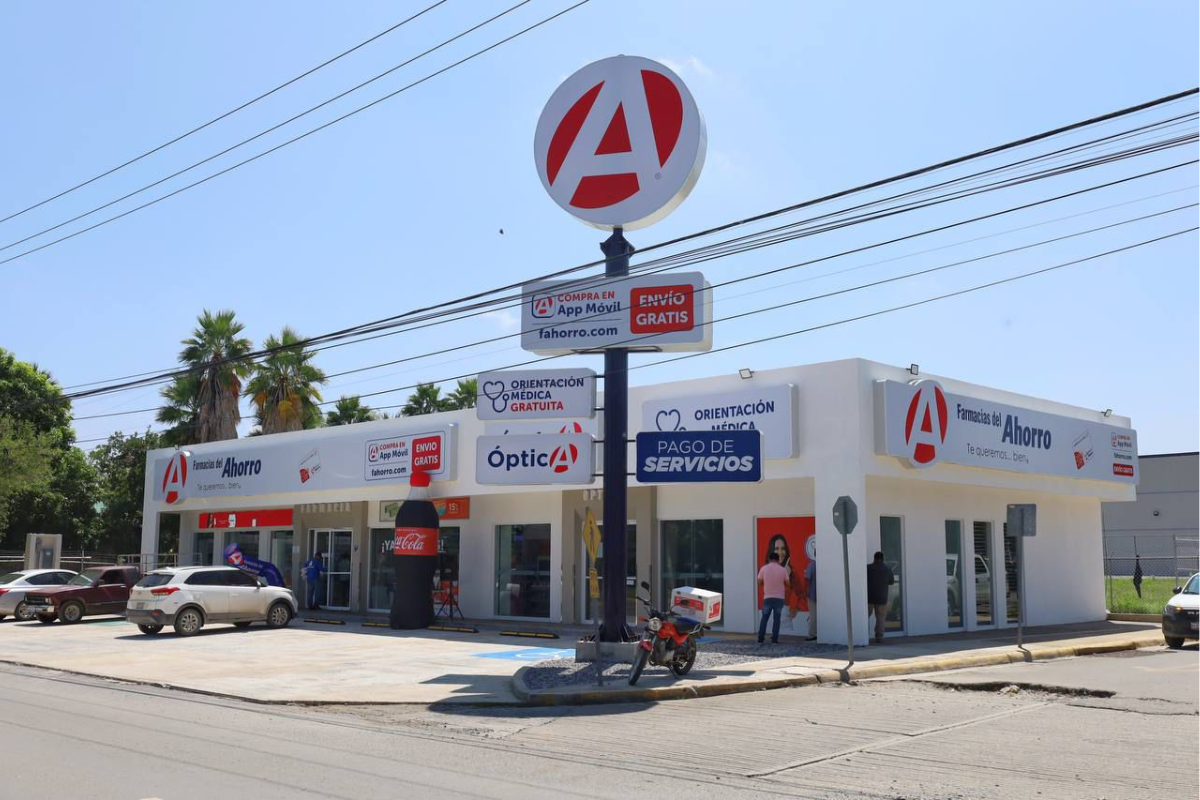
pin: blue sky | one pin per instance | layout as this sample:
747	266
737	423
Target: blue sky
402	205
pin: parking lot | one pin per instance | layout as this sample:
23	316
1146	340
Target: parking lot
305	662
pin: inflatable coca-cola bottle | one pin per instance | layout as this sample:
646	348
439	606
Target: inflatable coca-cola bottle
414	557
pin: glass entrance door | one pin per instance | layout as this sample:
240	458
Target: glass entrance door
891	542
590	607
334	547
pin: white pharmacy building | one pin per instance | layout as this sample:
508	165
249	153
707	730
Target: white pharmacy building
931	462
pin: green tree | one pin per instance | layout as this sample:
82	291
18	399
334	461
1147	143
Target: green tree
349	410
427	399
25	459
284	387
181	411
464	395
120	465
47	483
207	399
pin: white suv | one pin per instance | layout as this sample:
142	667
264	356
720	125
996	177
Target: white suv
187	598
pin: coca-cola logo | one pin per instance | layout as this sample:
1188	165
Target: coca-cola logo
415	542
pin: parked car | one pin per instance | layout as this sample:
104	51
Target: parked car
96	590
15	585
983	583
188	598
1181	613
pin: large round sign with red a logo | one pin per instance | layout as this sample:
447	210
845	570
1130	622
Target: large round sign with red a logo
620	142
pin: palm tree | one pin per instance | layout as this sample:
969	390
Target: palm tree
426	399
464	395
284	386
349	410
212	353
181	411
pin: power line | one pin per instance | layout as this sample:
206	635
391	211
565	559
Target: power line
217	119
280	146
1102	119
752	276
847	290
600	280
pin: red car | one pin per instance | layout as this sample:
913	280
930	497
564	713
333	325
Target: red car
96	590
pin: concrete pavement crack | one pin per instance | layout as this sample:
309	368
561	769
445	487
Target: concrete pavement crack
904	737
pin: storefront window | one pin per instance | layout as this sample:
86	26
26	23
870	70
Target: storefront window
247	542
383	580
982	535
954	573
523	570
891	536
1012	578
203	549
281	554
693	554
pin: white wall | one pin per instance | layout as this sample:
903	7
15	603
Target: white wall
736	505
1063	563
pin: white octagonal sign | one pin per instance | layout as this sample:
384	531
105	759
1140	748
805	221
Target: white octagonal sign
620	142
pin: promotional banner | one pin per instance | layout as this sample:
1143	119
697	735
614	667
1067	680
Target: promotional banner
666	312
535	460
770	410
699	456
795	540
345	457
924	424
264	569
446	507
536	394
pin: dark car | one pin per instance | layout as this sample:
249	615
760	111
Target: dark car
96	590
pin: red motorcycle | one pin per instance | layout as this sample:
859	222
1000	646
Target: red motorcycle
668	640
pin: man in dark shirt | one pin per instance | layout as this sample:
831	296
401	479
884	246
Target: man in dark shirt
879	578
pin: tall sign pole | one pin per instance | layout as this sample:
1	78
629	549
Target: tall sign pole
616	431
845	518
619	145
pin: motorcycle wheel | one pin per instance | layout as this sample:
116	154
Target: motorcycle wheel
639	664
682	663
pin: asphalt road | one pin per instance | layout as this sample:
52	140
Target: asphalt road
1113	726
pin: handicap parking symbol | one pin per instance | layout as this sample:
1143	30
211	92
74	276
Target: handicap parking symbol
530	654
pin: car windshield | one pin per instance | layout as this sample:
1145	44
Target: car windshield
1193	586
155	579
87	577
10	577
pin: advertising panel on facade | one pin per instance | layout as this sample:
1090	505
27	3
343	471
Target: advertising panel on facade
536	394
666	312
352	457
794	540
535	460
699	457
925	425
771	410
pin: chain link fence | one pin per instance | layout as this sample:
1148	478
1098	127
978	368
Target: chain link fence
1142	569
13	560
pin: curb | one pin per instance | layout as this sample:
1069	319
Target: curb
541	697
1118	617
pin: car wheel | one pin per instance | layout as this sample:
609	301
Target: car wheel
1	617
241	624
71	612
188	622
23	614
46	618
279	616
1173	642
150	629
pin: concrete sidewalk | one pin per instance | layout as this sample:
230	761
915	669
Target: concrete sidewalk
899	656
351	663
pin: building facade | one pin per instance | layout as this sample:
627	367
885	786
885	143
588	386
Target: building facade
932	464
1161	528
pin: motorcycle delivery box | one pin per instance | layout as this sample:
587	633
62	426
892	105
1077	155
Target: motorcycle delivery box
697	605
